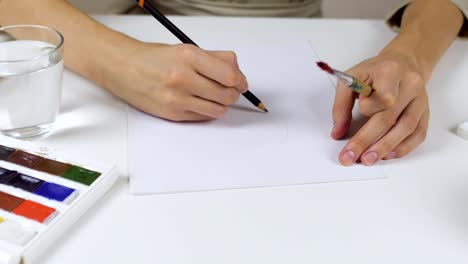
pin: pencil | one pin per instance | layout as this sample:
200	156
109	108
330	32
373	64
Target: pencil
348	80
185	39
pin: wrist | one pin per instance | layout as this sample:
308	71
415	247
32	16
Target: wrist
408	45
114	54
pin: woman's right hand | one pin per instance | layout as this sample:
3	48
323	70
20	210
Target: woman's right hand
177	82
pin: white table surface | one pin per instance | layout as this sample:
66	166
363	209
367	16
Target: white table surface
418	215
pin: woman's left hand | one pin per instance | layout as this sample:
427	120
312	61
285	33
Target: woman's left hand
398	110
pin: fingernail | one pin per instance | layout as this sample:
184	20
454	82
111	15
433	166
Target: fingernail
391	155
369	158
348	158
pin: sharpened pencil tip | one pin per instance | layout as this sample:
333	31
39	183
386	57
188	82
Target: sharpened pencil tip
262	106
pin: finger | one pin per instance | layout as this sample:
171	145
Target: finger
385	83
189	116
231	58
377	125
405	126
343	107
411	142
227	56
220	71
213	91
205	107
342	111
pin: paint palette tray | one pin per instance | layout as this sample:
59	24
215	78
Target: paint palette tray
42	193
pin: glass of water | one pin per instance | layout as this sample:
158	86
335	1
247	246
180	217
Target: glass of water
31	70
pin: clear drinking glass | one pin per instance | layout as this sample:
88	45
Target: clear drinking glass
31	70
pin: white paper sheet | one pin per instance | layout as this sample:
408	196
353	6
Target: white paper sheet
247	148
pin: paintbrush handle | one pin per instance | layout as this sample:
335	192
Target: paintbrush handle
353	83
361	87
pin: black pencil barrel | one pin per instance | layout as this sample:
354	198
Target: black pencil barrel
252	98
168	24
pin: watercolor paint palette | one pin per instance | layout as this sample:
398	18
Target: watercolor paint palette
42	193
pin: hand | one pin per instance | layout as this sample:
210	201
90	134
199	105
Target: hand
178	82
398	110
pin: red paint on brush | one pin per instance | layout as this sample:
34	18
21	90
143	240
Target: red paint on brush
322	65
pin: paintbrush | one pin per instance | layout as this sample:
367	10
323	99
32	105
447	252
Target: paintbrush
348	80
185	39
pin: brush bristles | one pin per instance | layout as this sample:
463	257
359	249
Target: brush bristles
325	67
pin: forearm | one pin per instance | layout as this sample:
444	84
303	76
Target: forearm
427	30
90	47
